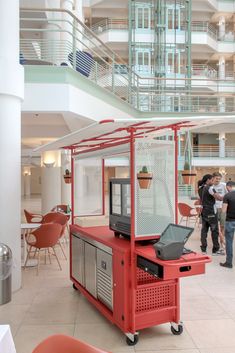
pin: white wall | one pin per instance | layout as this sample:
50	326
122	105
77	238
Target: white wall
36	180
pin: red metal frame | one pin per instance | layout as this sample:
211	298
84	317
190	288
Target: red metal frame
126	284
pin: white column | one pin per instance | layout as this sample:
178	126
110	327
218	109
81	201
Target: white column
27	182
79	13
222	68
11	95
51	180
50	47
221	27
65	188
222	139
67	30
79	10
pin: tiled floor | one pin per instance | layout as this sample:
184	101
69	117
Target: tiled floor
48	304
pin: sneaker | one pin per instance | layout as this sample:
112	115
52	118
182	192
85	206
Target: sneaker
225	264
218	252
204	252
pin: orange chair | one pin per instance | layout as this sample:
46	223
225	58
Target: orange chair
33	217
187	213
65	344
45	237
60	218
62	209
198	208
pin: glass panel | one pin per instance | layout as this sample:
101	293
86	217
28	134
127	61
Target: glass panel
177	63
146	58
126	194
170	63
88	187
116	199
177	18
146	18
139	18
170	18
155	203
140	58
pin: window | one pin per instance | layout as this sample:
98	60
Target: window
143	61
173	18
143	17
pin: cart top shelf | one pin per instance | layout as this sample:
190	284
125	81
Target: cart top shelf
104	133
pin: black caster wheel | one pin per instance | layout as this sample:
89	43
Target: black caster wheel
74	287
177	332
132	343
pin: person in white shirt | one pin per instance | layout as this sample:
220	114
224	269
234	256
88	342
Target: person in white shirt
220	188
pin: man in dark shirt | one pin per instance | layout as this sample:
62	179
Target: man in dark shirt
208	197
229	208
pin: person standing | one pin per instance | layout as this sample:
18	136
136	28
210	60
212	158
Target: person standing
220	188
228	208
208	197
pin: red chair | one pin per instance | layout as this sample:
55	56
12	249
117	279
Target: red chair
32	217
65	344
60	218
198	208
187	213
62	209
45	237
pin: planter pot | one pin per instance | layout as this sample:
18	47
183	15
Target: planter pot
144	180
67	179
189	176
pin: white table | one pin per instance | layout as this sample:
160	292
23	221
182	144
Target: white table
27	228
6	340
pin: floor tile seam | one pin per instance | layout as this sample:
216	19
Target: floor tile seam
190	336
48	324
227	311
23	317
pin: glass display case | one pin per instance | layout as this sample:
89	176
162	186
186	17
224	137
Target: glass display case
120	206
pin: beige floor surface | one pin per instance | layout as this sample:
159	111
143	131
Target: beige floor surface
48	304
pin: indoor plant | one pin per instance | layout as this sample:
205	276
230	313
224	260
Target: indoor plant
188	174
67	176
144	178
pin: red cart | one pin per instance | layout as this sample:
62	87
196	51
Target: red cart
106	268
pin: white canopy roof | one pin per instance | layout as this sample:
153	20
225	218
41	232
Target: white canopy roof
110	130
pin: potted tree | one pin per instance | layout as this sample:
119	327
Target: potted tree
144	178
188	174
67	176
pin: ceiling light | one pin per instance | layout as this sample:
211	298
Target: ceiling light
49	165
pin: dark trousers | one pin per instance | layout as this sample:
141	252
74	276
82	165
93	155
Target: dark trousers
210	221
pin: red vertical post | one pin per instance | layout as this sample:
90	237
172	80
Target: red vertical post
72	186
133	260
103	190
176	172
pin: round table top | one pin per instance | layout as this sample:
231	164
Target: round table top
30	225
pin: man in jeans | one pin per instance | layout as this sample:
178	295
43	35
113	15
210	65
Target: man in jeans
229	208
208	196
220	188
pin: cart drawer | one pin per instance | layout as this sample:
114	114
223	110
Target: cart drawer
105	278
104	262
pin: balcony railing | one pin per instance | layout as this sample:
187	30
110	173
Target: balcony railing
196	26
213	152
110	23
203	26
57	38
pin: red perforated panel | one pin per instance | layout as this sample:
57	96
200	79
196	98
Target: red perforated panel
157	297
144	277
